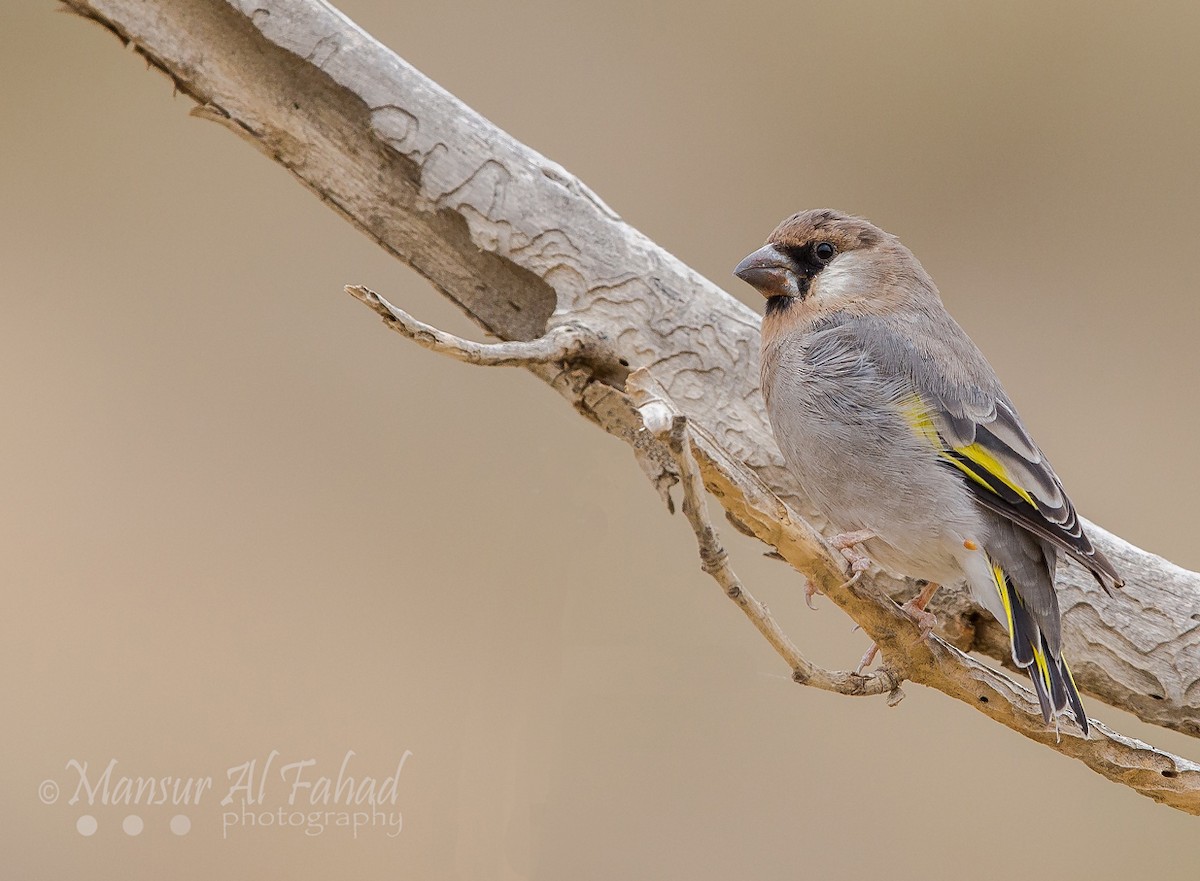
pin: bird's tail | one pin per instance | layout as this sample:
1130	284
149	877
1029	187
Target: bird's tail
1052	679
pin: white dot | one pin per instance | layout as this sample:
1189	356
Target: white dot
180	824
133	825
86	825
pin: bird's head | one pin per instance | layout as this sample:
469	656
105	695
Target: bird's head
828	260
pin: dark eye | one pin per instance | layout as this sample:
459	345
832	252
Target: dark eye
824	251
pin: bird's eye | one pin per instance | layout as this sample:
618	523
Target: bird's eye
824	251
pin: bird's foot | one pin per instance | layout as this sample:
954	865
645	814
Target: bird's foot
915	609
867	659
926	621
847	544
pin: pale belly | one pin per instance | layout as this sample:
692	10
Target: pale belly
865	469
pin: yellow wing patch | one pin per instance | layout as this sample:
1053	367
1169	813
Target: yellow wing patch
992	466
917	413
965	469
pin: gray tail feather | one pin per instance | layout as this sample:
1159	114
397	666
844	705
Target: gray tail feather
1051	677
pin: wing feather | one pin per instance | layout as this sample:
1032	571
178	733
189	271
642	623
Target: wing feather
1018	483
957	404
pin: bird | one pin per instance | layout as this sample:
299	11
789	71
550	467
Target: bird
902	436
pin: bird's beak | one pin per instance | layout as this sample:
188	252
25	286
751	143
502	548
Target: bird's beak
770	271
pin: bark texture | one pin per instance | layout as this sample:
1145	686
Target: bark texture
525	248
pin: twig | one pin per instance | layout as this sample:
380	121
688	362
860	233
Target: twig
715	561
566	342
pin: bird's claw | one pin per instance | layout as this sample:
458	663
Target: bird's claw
915	609
867	659
845	540
847	544
926	621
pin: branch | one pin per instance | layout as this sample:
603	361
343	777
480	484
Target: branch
525	248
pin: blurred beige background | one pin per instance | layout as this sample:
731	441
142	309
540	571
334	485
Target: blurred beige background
239	516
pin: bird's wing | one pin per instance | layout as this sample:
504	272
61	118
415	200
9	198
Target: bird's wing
957	404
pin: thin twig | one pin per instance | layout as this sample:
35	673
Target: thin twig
715	561
563	343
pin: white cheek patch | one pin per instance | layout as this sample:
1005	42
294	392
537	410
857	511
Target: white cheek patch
844	277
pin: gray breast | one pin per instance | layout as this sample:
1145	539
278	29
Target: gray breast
841	428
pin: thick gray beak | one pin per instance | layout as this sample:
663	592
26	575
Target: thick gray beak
770	272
